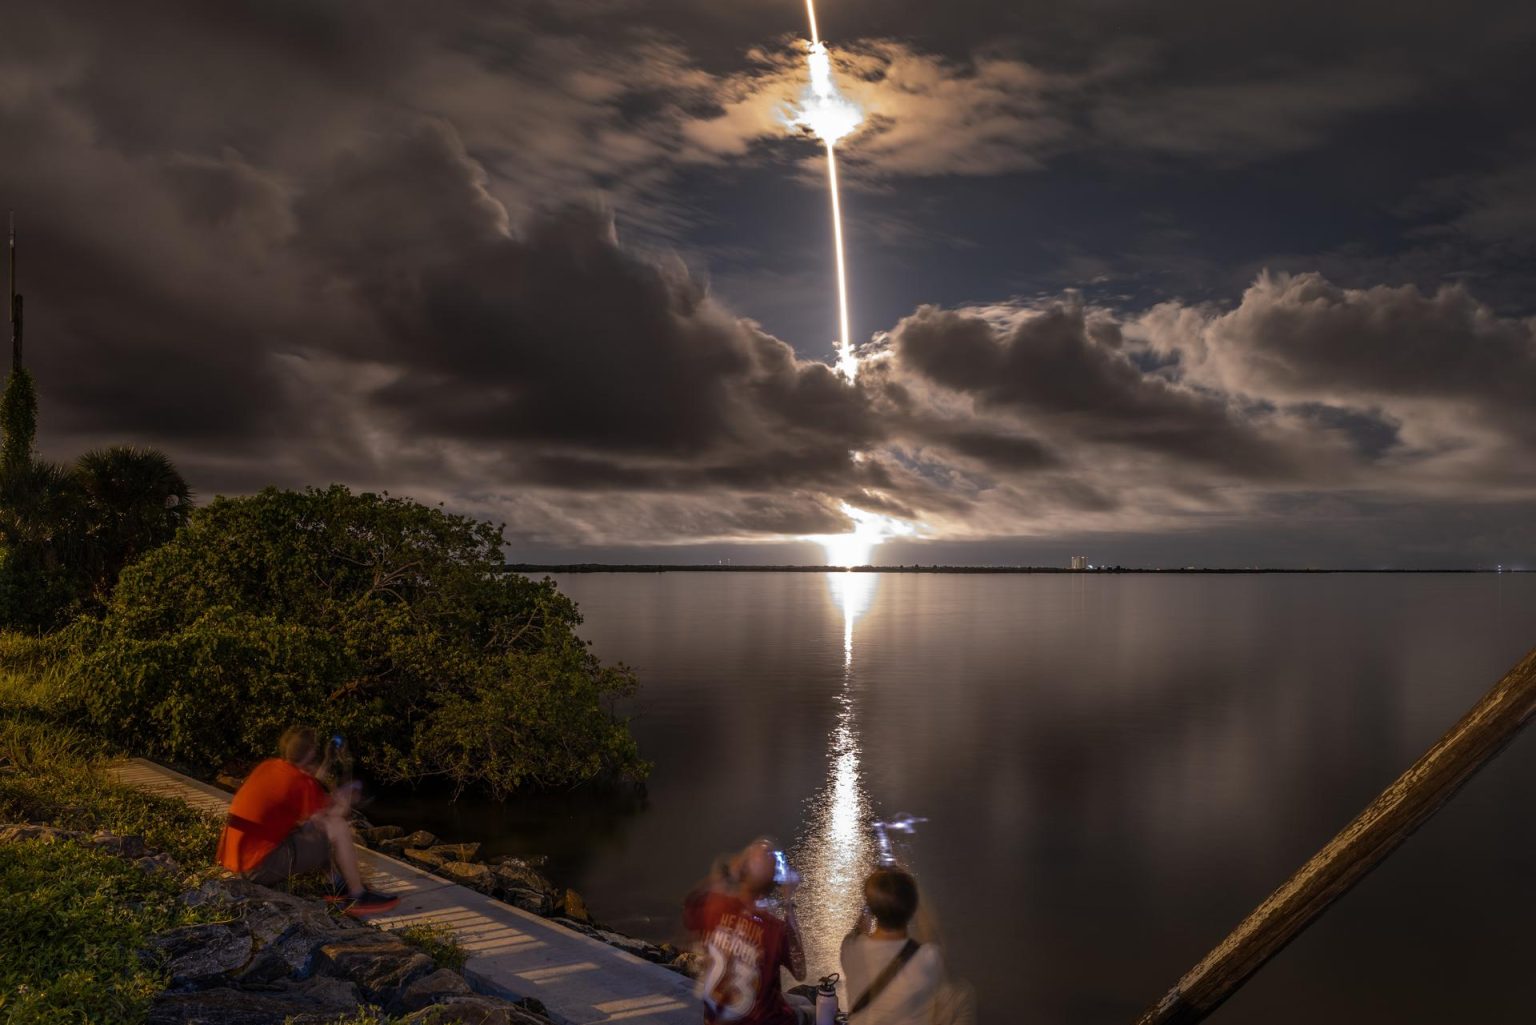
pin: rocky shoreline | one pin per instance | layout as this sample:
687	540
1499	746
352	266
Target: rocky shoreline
273	958
518	882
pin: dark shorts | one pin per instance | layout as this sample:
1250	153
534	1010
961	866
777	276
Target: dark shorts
303	851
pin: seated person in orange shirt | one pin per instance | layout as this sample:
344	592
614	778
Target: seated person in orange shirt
283	823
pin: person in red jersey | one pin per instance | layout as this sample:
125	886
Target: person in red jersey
283	823
745	944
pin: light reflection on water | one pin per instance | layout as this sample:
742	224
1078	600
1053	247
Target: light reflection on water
836	851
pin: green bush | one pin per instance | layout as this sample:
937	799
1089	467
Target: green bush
378	618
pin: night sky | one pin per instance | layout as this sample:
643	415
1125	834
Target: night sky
1161	283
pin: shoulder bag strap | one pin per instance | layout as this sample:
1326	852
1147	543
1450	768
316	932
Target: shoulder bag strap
884	978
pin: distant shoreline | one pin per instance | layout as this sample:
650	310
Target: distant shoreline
595	567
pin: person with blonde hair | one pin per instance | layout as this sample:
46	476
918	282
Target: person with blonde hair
283	823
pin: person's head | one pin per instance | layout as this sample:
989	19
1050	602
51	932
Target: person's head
753	868
891	896
300	745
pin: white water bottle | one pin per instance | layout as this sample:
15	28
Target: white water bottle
826	1001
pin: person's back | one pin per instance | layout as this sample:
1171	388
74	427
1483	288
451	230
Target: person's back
908	999
744	945
274	799
879	990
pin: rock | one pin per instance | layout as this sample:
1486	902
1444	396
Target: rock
197	956
131	847
581	927
629	944
520	873
31	831
689	963
575	907
434	988
534	901
425	858
381	965
297	1003
234	890
229	781
468	873
523	878
534	1006
533	861
418	840
159	863
291	952
267	920
380	833
456	851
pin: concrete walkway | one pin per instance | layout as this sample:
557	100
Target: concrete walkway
513	954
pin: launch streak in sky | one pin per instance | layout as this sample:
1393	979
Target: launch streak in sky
831	116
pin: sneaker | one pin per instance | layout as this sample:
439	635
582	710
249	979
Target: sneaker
370	902
335	891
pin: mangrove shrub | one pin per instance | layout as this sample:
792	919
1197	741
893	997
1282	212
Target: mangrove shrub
377	618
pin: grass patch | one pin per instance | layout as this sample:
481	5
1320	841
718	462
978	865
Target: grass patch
52	774
438	942
33	672
72	920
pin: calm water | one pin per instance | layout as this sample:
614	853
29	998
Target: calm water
1114	770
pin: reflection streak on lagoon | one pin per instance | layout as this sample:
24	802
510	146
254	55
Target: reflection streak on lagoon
836	852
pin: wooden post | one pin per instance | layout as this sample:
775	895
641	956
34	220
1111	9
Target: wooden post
1362	845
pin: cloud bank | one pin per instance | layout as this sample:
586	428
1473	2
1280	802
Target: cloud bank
366	265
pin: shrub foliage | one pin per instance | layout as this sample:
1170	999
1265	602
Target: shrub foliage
378	618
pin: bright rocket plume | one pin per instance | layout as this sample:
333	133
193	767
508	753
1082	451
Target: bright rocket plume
831	116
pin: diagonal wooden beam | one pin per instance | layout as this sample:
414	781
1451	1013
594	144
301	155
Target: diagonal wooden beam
1362	845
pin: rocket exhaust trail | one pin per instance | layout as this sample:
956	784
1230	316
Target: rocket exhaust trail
831	117
847	362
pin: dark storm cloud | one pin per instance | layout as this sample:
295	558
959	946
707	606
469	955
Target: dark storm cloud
1057	366
295	243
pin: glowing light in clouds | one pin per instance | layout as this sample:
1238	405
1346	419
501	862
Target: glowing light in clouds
824	110
869	529
831	116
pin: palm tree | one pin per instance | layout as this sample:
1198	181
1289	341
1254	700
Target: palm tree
133	500
40	544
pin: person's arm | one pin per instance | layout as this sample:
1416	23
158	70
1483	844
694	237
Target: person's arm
318	801
795	955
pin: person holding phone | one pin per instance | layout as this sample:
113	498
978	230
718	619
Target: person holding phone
746	944
891	978
282	823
